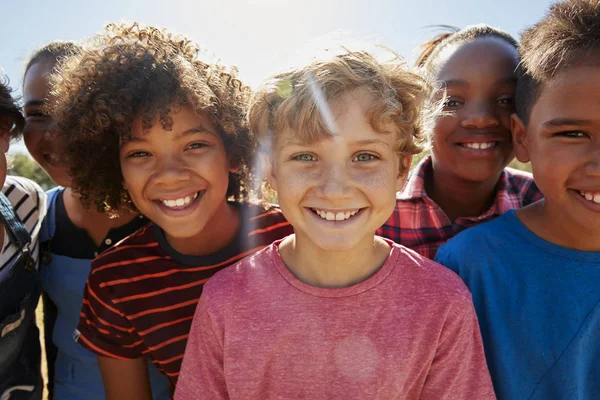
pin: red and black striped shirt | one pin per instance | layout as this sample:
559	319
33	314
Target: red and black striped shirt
141	294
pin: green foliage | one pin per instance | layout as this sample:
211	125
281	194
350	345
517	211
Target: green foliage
21	164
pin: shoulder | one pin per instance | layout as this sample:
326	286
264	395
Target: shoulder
28	200
262	215
265	221
247	276
15	187
432	279
480	242
522	183
138	245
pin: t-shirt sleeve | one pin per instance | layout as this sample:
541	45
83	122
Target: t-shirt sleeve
202	370
459	369
103	328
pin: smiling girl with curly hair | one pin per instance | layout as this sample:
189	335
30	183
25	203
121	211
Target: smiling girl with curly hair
148	124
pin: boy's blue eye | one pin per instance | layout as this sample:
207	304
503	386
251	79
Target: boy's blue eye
364	157
304	157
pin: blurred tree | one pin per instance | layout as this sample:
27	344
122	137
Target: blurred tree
21	164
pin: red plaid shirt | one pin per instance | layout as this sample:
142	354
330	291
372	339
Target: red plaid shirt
420	224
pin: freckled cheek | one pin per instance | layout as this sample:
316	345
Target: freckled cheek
380	180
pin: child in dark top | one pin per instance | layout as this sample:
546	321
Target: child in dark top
465	180
535	272
148	125
23	206
71	237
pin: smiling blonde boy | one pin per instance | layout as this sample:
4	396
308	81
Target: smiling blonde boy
334	311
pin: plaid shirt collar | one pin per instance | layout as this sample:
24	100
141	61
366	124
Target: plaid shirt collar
507	191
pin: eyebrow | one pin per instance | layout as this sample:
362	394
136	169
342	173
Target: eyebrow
367	142
556	122
509	80
197	129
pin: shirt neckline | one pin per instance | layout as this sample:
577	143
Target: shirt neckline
232	249
549	247
353	290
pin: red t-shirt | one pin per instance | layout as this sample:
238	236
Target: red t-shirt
141	295
407	332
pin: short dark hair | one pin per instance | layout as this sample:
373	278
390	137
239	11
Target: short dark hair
430	50
53	51
568	35
10	110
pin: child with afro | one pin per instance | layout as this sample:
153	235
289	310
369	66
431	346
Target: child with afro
149	125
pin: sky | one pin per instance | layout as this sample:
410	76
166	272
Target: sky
258	36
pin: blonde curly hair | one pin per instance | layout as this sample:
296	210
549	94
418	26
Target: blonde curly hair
129	71
286	101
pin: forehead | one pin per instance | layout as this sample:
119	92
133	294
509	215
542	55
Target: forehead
481	57
573	93
182	119
349	120
35	84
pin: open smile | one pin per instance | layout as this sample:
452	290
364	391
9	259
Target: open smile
591	196
480	145
336	215
179	204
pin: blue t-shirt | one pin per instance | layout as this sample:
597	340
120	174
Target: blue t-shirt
537	305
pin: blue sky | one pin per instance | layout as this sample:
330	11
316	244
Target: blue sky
259	36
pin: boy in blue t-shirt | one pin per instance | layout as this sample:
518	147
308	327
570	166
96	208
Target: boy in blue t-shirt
535	273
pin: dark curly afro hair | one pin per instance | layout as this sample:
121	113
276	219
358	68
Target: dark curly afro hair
129	71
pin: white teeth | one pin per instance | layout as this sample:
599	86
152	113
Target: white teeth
179	202
481	146
331	216
595	197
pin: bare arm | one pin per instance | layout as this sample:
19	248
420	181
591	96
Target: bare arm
125	379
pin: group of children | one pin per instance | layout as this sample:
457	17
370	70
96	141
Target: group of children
166	273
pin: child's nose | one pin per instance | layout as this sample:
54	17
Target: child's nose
336	183
171	170
480	116
593	165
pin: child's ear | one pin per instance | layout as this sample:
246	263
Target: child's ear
403	172
519	136
234	165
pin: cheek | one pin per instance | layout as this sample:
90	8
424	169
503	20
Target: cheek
32	140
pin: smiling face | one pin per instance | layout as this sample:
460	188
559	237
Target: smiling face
36	134
338	191
177	178
472	141
562	140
